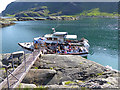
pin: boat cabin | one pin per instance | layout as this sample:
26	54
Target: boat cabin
59	37
56	37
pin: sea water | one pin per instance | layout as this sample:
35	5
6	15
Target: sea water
102	34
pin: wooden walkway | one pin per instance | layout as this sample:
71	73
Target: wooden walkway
20	71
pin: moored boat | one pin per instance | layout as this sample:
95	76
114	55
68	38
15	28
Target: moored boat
59	43
27	45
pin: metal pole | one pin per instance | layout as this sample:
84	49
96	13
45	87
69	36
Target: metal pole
25	60
1	78
12	62
33	54
7	77
13	75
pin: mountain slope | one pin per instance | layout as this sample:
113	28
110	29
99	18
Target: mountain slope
67	8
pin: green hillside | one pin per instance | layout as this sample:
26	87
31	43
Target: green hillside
96	12
52	8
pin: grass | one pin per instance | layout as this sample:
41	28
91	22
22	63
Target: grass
40	88
35	67
83	88
2	68
69	82
44	7
20	85
99	74
28	17
81	63
80	82
51	68
108	82
96	12
8	15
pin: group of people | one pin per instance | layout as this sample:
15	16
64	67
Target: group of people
67	49
64	48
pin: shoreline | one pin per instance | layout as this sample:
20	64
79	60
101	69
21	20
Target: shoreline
70	70
109	67
55	18
54	71
4	22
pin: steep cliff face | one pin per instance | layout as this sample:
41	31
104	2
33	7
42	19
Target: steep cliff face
67	8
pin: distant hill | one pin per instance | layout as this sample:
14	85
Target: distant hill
66	8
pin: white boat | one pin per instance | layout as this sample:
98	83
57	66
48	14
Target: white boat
27	45
59	38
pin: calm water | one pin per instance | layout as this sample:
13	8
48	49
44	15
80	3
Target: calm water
101	33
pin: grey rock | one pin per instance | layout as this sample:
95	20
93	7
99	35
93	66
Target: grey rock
55	69
24	85
62	86
39	76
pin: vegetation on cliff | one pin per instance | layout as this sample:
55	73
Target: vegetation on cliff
67	8
96	12
44	9
44	12
35	12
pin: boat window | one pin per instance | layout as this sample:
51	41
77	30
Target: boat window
55	39
49	38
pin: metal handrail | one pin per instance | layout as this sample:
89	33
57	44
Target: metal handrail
6	68
35	52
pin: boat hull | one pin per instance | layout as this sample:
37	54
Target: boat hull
25	46
29	46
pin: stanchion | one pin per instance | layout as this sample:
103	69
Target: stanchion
1	78
7	71
12	61
6	68
24	59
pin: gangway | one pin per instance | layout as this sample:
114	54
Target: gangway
14	79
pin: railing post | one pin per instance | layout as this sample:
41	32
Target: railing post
12	62
13	75
7	77
1	78
25	60
33	54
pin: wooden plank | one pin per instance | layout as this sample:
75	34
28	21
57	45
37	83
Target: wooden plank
20	72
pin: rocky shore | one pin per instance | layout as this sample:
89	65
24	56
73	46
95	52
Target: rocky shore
9	21
52	18
68	71
5	22
42	18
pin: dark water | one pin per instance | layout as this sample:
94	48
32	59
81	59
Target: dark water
102	34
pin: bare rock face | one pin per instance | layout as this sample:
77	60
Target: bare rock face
39	76
61	86
71	71
70	67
